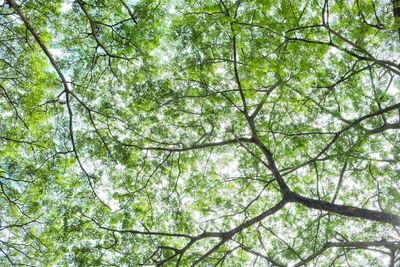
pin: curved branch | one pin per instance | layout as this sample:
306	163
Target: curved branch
353	245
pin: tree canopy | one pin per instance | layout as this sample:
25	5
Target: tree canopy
199	133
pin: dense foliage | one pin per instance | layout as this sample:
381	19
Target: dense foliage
226	133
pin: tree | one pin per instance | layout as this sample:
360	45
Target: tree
227	133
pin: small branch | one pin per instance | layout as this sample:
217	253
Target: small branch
339	184
129	11
195	147
262	102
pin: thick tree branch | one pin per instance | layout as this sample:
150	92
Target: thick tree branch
348	211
